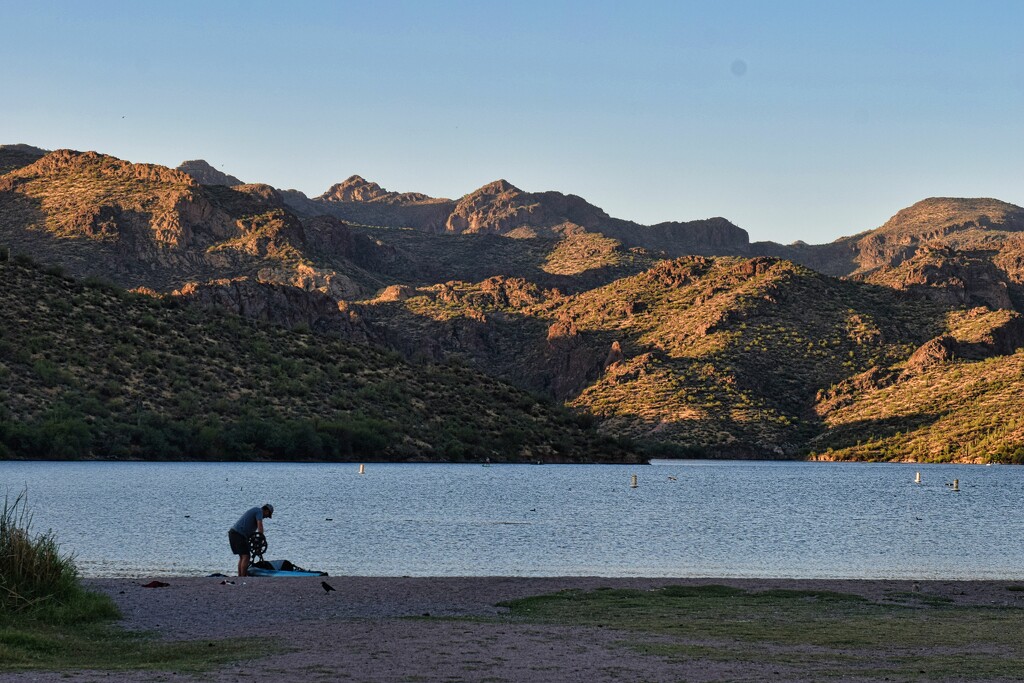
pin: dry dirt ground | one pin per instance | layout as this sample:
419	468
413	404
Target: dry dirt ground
398	629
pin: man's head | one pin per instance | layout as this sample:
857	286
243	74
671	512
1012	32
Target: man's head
268	510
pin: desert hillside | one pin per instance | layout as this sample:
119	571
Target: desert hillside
90	370
682	337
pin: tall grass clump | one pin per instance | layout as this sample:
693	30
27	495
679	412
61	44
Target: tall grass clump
37	581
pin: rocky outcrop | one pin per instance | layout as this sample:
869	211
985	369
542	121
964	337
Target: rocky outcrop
307	278
277	304
947	276
396	293
1002	338
615	355
329	236
937	351
503	292
205	174
570	362
502	208
849	390
494	208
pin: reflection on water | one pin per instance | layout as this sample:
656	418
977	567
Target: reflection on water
685	518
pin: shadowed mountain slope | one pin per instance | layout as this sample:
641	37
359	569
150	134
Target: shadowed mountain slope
956	399
725	355
13	157
87	370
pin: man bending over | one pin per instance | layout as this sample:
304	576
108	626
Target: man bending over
247	525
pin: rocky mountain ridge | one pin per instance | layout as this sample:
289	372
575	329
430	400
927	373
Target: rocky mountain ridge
500	208
503	209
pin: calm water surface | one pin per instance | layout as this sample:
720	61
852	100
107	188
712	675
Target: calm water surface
686	518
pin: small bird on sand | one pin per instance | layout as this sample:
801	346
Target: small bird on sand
327	587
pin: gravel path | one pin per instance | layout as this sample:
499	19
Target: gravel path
362	631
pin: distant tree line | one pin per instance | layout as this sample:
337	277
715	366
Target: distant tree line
154	437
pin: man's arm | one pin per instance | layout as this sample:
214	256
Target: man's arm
259	525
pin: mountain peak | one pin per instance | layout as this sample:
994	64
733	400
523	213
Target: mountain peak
355	188
69	161
499	186
205	174
953	214
26	149
956	221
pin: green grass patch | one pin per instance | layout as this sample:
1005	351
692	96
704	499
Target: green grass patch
822	634
34	645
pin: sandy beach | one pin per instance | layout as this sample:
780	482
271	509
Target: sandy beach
402	629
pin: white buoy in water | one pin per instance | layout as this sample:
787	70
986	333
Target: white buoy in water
956	484
632	482
917	479
362	469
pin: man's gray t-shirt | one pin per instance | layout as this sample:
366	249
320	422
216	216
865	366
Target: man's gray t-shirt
246	524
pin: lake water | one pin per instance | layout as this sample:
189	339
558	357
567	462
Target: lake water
684	519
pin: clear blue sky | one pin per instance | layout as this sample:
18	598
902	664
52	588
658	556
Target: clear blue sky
796	120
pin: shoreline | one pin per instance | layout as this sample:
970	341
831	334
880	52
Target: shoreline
199	606
642	462
444	628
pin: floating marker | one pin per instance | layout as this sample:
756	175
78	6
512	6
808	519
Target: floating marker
362	469
956	484
917	479
632	482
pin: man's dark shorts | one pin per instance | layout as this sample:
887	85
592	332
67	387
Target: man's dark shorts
239	543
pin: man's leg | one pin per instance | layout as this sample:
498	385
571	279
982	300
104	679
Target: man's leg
243	565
